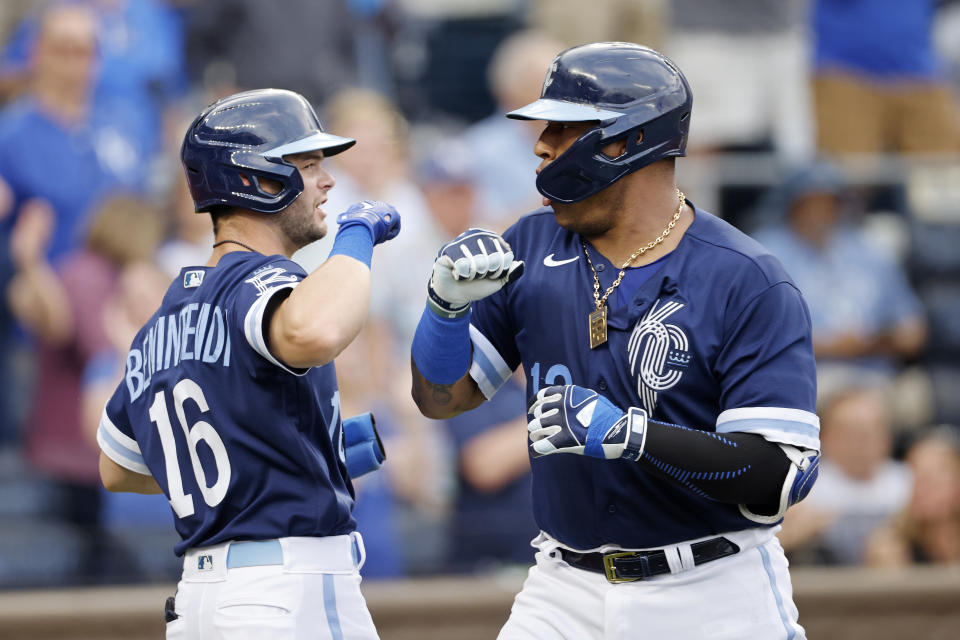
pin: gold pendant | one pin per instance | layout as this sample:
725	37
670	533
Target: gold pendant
598	327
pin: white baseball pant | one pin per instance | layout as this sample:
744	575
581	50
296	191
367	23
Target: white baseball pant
283	589
741	597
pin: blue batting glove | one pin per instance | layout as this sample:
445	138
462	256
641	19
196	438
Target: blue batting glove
363	448
380	218
572	419
472	266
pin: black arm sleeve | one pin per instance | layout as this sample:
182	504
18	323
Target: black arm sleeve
738	468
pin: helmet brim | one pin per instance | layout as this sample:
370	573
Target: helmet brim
563	111
326	142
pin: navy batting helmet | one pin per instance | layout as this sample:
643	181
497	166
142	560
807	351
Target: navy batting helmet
242	138
626	89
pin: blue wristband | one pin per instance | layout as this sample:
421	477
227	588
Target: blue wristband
605	415
356	241
441	347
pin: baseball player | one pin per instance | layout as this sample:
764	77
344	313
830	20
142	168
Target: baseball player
229	403
670	372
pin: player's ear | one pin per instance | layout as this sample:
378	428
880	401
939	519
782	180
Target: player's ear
617	148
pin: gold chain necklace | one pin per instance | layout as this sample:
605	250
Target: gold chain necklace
598	319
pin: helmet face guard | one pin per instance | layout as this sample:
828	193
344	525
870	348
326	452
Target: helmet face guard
633	93
241	139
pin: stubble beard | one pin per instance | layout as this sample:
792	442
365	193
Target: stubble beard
591	217
300	224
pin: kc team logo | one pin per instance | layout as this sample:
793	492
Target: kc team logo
264	279
658	353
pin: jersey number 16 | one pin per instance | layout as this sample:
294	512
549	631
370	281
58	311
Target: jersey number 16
181	502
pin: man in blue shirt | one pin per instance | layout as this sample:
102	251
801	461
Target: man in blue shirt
491	521
669	366
878	84
866	318
499	148
58	149
229	403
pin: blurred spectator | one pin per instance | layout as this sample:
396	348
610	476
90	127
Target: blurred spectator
306	46
61	306
55	148
866	318
54	143
640	21
11	13
746	62
192	238
15	363
377	508
139	288
447	177
946	38
860	486
140	70
376	22
442	52
137	527
400	510
374	371
928	530
878	82
379	168
502	149
492	518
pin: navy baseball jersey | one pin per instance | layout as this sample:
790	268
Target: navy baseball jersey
243	447
713	336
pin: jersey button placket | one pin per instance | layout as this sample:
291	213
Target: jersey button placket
602	384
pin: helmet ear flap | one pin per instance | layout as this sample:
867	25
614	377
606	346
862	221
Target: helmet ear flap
246	173
572	176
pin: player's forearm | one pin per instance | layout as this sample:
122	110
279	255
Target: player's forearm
441	401
118	479
323	314
440	358
495	458
763	478
736	468
908	338
474	265
37	299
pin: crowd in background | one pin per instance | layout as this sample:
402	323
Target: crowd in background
828	129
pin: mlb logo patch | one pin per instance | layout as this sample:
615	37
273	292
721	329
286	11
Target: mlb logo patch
205	563
193	279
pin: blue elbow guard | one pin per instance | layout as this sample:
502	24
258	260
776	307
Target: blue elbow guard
362	446
808	468
801	474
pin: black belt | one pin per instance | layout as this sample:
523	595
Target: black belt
628	566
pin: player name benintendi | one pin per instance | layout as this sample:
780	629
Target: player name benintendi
197	332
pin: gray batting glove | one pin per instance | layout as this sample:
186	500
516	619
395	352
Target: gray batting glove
472	266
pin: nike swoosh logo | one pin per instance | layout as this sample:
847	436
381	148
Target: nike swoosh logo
550	262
